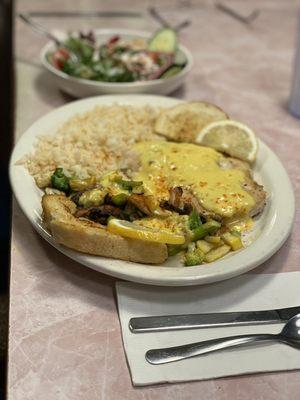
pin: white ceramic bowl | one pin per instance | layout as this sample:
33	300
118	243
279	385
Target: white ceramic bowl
78	87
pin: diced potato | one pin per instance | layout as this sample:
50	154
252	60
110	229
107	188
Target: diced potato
233	241
204	246
213	239
217	253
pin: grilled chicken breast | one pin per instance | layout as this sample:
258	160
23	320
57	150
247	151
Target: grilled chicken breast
250	185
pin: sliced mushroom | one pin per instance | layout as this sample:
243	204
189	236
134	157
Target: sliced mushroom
100	214
75	197
187	208
175	202
189	198
183	201
175	196
141	202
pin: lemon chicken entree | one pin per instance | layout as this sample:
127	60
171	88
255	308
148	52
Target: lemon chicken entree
170	196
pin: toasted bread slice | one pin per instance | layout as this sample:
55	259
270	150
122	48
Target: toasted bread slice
89	237
183	122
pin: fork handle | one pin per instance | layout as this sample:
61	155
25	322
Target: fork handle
39	28
170	354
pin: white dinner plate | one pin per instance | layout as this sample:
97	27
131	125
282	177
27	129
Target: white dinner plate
270	231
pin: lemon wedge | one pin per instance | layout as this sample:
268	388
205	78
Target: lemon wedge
133	231
230	137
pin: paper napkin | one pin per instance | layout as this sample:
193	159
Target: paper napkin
244	293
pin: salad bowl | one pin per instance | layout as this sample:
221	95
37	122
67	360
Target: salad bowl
79	87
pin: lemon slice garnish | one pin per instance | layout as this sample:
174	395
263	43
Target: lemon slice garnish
230	137
133	231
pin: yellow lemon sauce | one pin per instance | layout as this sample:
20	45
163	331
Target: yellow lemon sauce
166	164
171	224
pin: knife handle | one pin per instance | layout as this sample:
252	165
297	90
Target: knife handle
163	323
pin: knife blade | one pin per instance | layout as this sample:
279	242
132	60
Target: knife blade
192	321
91	14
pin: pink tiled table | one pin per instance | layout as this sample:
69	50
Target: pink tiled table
65	340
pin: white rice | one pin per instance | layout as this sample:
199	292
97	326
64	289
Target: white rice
92	143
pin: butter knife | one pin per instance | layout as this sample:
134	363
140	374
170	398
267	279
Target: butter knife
192	321
91	14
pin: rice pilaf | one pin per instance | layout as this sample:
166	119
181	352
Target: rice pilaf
92	143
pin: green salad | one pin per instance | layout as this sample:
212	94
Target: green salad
119	60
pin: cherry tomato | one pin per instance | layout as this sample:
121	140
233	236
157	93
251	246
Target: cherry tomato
59	57
153	55
114	39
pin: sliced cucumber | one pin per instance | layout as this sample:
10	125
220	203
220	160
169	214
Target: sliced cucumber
173	70
180	59
164	40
